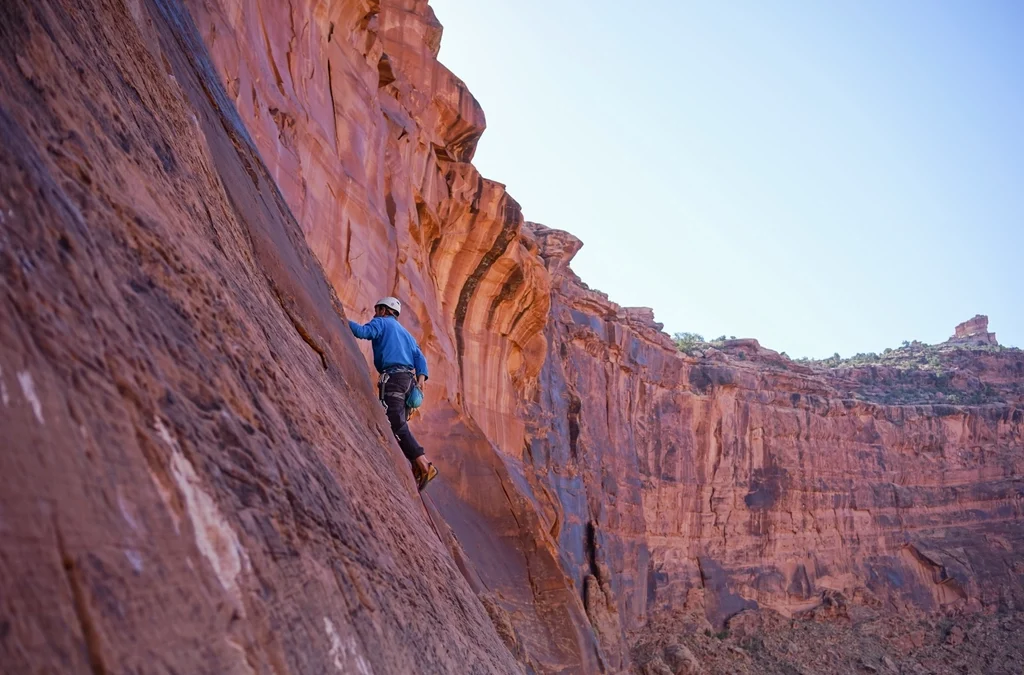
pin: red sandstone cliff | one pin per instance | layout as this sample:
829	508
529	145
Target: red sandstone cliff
681	486
620	473
593	478
974	331
196	476
374	159
753	479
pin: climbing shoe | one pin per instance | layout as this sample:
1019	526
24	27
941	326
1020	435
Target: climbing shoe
424	477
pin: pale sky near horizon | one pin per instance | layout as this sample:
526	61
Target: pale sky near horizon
822	176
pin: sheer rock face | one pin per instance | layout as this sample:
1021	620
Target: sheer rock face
592	477
591	474
373	158
742	479
370	138
196	476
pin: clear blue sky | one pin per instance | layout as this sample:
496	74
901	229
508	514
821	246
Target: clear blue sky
823	176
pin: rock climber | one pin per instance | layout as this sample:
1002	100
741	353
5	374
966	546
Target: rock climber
403	370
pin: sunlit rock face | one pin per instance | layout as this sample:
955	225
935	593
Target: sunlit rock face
974	331
592	475
196	475
370	139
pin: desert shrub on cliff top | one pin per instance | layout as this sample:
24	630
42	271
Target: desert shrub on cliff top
687	341
694	344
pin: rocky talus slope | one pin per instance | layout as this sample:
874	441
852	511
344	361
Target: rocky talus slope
197	477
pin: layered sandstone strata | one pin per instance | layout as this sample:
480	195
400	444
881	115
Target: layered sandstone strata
741	479
974	331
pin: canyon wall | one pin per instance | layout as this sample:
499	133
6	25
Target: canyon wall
371	138
740	479
196	476
583	457
652	481
224	183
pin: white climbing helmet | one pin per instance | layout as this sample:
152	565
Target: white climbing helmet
391	303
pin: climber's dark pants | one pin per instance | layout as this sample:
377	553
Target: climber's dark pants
394	387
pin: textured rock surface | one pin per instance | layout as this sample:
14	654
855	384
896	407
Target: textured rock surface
743	480
974	331
196	476
186	402
390	205
842	639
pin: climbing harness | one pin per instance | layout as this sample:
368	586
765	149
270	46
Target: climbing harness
385	376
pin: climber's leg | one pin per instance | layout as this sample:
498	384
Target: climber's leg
395	390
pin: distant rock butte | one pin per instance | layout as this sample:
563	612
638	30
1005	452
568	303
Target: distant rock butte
974	331
200	475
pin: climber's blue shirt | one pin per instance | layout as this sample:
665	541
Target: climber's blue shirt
392	344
